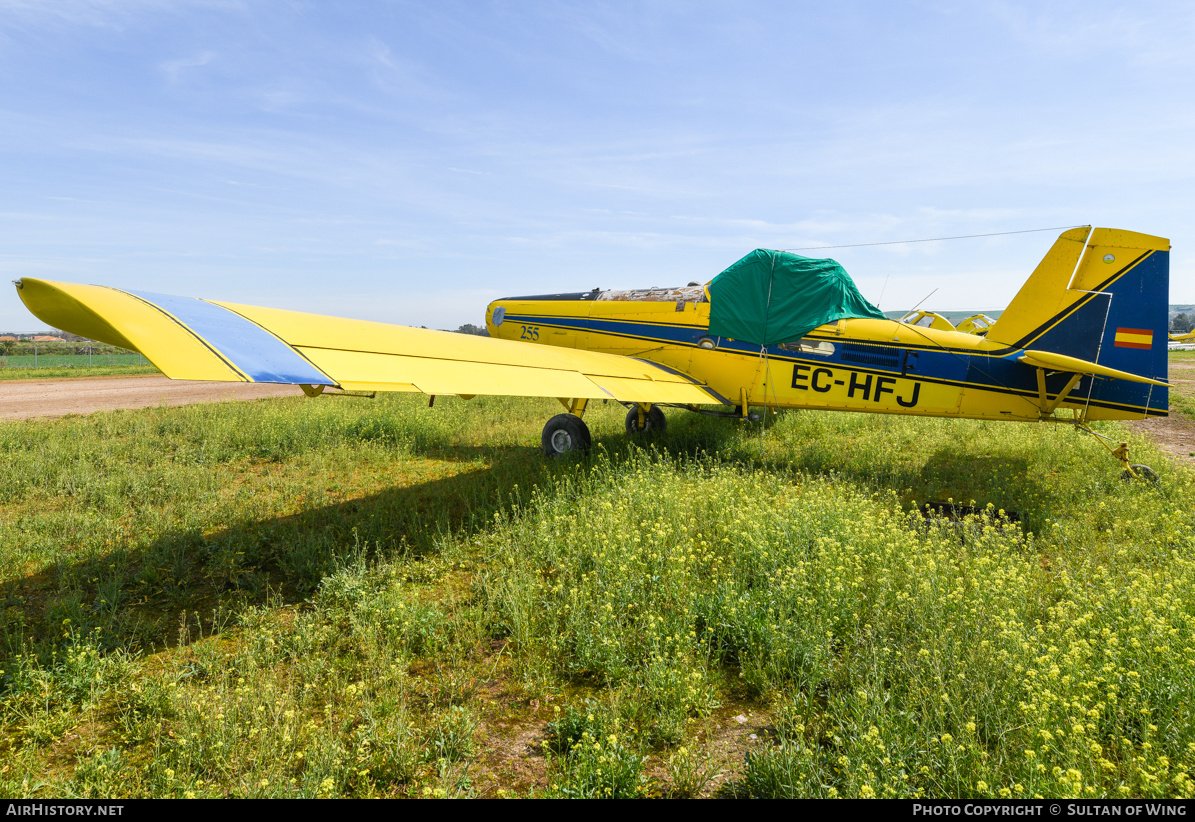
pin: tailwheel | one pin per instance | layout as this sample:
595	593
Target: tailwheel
1121	452
1142	472
651	420
565	434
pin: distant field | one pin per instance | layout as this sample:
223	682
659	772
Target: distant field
339	597
68	360
73	368
63	359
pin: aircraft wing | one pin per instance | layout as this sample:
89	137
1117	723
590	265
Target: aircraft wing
194	339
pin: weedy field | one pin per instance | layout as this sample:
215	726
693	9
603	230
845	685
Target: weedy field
25	359
72	369
1182	379
338	597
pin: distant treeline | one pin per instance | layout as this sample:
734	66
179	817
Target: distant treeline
476	330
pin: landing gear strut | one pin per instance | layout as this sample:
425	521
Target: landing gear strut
643	418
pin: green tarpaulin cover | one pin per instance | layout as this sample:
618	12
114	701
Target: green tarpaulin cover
771	297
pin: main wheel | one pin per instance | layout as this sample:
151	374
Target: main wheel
751	415
653	420
564	434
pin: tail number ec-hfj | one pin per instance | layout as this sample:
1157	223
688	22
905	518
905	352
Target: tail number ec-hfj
865	386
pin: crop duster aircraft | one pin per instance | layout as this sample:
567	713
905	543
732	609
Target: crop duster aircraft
1085	338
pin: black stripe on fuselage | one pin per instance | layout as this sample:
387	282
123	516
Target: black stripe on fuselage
1024	393
1029	394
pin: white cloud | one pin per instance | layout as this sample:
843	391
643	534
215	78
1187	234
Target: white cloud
172	68
101	13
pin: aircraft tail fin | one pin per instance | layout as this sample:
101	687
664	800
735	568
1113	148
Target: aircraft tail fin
1099	295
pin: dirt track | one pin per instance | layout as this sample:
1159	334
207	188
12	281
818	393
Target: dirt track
1175	433
26	399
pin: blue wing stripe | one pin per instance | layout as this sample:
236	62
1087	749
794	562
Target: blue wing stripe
259	354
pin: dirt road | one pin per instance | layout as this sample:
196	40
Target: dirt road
1175	433
26	399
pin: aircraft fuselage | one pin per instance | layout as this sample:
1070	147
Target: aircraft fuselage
870	365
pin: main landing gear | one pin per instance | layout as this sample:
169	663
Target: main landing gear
567	433
564	434
645	419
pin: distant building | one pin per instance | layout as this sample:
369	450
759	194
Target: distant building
45	338
7	338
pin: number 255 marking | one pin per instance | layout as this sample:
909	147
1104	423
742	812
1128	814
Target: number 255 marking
530	332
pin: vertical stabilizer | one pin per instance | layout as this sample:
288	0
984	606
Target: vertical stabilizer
1043	296
1099	295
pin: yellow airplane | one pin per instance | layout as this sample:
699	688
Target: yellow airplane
975	324
928	319
978	324
1084	335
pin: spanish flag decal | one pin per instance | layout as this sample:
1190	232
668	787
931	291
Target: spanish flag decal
1134	338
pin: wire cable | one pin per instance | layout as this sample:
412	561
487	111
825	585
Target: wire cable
936	239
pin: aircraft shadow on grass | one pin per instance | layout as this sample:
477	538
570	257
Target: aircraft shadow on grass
138	595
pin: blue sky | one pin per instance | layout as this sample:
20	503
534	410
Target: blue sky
409	162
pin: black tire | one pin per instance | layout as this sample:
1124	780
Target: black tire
1144	472
751	415
654	421
565	434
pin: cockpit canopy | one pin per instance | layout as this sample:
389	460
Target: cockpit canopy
688	294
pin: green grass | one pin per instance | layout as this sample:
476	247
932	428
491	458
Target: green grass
1182	393
338	597
69	360
1183	402
74	370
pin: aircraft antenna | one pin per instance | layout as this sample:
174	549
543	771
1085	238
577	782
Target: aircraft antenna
928	339
923	299
882	290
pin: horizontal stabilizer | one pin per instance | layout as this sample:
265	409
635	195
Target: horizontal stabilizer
1061	362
